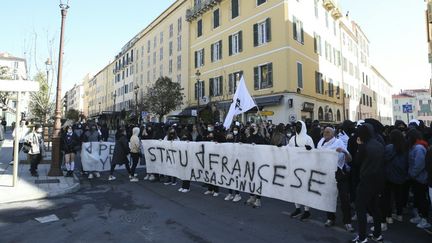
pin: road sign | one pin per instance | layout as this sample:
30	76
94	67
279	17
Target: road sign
292	118
144	114
407	108
267	113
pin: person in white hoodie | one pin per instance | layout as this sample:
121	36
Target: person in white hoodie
302	140
19	133
135	150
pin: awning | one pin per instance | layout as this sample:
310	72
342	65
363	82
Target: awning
261	101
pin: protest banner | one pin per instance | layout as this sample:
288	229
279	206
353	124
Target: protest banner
289	174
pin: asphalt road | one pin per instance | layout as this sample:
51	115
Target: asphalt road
120	211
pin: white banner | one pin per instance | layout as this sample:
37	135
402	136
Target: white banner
289	174
97	156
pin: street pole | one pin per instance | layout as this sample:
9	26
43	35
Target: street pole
16	141
55	157
198	74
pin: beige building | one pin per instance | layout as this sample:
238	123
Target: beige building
74	98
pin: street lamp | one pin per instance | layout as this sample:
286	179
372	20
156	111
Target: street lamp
114	97
198	74
55	165
99	108
136	89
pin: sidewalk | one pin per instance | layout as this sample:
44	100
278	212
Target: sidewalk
28	187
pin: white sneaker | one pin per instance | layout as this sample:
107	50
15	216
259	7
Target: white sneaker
415	220
152	178
136	174
354	217
237	198
134	179
111	178
229	197
185	190
130	176
389	220
257	203
97	174
423	224
383	227
167	183
208	192
90	176
146	177
215	194
173	183
251	200
180	189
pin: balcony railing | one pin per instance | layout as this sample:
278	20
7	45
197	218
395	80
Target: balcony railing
329	4
200	8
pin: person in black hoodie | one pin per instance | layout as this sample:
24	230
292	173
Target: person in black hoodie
371	184
212	136
121	151
233	137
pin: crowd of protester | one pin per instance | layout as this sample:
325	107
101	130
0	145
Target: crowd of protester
382	170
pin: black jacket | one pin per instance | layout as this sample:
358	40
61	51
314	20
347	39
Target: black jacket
121	151
371	158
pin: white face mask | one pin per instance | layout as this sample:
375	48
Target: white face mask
210	129
39	130
69	130
235	132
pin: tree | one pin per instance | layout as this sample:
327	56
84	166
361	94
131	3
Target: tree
41	105
4	75
72	114
163	97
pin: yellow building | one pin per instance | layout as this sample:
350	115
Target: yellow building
271	43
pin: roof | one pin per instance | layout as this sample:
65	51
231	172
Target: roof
7	56
400	96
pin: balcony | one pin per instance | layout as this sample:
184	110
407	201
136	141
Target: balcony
336	13
329	4
200	8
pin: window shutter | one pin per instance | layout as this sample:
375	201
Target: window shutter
315	43
221	85
256	78
203	88
212	52
230	45
294	28
240	41
196	90
196	59
220	49
230	83
234	8
211	87
268	29
302	33
203	56
270	74
255	30
316	82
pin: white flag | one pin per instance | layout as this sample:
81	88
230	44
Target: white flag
242	102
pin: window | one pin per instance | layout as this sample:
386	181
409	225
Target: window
155	42
334	28
148	60
161	37
259	2
161	70
299	75
171	30
148	76
363	100
345	64
233	78
330	88
262	32
319	83
179	78
179	43
216	22
370	101
216	51
179	61
351	69
199	28
154	74
154	58
235	43
298	30
316	8
327	19
234	8
170	48
263	76
199	89
317	44
161	53
170	66
179	26
199	58
148	46
216	87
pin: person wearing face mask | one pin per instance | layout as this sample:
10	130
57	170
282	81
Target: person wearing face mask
19	133
121	151
146	134
69	142
254	138
233	137
92	135
135	151
211	189
302	140
279	137
35	139
171	136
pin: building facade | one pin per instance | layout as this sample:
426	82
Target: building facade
16	69
420	101
74	98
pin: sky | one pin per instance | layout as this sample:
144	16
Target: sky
96	30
